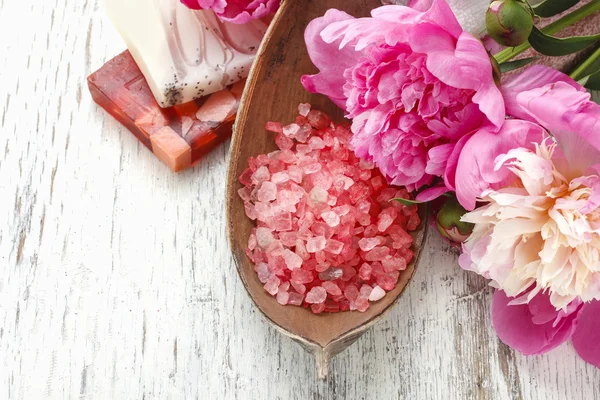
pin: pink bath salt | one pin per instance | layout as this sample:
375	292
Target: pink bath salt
291	130
264	274
283	142
318	308
331	274
262	174
282	221
334	247
301	276
283	298
272	286
318	119
316	244
299	287
280	177
304	109
326	227
368	244
292	260
295	299
318	196
386	219
331	288
378	254
316	295
331	218
274	127
264	237
316	143
395	263
376	294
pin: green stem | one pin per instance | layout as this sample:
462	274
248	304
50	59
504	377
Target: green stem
580	71
555	27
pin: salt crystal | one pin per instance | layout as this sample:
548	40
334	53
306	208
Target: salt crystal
377	254
318	119
264	237
386	219
301	250
280	177
361	304
272	286
252	242
316	295
351	292
274	127
317	308
377	294
304	133
316	244
364	272
283	298
283	142
394	263
318	195
386	282
331	218
334	246
368	244
264	274
291	130
295	299
316	143
332	288
301	276
331	274
304	109
262	174
267	192
299	287
292	260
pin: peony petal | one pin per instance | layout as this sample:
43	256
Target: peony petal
476	172
466	67
515	326
585	338
331	61
574	121
531	78
431	193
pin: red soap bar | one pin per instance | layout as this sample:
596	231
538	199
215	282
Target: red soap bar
179	136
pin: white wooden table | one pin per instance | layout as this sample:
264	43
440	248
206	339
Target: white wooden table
116	280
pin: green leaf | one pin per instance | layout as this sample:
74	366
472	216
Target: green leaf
512	65
407	202
551	46
591	81
550	8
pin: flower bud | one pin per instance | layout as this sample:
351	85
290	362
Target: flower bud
509	22
449	224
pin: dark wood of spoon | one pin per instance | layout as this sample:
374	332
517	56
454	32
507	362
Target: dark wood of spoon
273	93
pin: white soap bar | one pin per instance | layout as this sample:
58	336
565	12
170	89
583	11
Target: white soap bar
185	54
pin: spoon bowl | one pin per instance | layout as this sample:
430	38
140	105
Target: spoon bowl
273	92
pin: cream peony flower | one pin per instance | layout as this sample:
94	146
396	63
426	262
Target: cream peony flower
540	232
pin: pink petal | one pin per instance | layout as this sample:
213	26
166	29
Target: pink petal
532	78
431	193
515	325
585	338
574	121
331	61
465	66
475	171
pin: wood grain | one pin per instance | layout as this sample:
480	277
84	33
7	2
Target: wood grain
116	280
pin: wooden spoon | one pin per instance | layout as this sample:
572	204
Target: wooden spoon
273	92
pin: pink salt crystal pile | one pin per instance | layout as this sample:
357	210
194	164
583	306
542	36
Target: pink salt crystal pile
327	234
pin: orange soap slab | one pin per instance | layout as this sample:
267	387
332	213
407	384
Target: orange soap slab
179	136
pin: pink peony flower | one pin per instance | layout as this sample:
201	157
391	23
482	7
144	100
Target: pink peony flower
415	84
475	170
236	11
538	236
